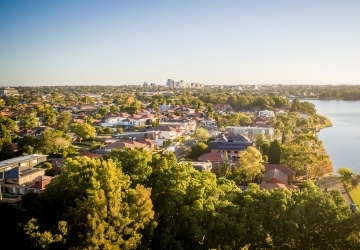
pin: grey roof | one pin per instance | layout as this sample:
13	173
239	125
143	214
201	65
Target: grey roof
232	137
164	128
7	162
229	145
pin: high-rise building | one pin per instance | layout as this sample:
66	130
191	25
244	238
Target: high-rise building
7	91
170	83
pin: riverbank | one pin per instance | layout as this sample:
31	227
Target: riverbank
324	122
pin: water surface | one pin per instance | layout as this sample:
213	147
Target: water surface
342	140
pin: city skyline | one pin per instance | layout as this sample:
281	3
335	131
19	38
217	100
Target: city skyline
210	42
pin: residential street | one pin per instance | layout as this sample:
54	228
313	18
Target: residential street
334	183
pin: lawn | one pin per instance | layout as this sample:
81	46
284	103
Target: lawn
81	146
355	195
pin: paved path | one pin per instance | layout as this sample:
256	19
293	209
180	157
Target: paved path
334	183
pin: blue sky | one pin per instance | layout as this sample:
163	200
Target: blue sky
212	42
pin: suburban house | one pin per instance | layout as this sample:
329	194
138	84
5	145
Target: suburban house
208	122
231	144
164	107
277	176
126	120
251	132
57	164
17	176
222	107
266	113
260	121
188	111
216	160
183	124
200	166
168	132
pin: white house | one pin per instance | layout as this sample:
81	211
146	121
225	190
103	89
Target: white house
164	107
167	132
208	121
251	132
266	113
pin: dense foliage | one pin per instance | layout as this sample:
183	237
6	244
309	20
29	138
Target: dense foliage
93	204
133	199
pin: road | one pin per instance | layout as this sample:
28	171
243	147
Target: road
179	149
334	183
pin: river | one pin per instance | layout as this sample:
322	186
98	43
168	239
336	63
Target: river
342	140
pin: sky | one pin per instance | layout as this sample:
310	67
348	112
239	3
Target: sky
243	42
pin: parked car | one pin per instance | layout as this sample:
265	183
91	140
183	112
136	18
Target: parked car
353	207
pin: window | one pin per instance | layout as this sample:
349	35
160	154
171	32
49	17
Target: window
23	164
235	152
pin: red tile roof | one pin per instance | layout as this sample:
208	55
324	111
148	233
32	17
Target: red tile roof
269	186
283	168
123	144
212	156
275	176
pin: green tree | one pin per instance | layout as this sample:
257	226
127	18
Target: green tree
202	134
210	111
225	167
198	149
8	123
49	116
295	105
6	150
133	162
84	131
260	140
27	144
104	111
64	120
119	130
249	168
346	174
53	142
114	109
274	152
5	135
27	121
93	202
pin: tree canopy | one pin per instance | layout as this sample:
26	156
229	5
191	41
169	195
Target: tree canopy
95	207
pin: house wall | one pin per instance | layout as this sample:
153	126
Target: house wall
25	179
250	132
168	135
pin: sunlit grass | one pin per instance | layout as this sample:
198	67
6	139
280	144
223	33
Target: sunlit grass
355	195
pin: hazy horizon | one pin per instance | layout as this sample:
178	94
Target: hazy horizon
211	42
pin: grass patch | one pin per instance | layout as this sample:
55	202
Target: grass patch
355	195
81	146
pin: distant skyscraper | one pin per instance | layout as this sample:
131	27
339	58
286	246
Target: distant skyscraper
170	83
182	83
